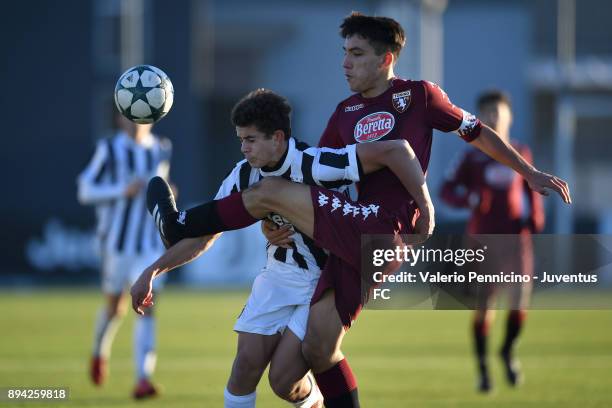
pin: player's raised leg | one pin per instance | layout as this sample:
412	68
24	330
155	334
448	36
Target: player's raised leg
238	210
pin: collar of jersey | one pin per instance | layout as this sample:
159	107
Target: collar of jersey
286	164
382	96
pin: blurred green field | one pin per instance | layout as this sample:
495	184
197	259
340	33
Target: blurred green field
401	358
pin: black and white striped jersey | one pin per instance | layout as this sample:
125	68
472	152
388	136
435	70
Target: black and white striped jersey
124	225
330	168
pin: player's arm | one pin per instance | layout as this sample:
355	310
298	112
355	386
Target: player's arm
95	184
179	254
399	157
441	114
491	144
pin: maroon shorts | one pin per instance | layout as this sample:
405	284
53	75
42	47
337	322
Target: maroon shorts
339	224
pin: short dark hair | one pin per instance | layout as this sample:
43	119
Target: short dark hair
265	110
384	33
492	96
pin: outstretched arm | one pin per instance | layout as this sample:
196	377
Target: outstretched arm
399	157
491	144
181	253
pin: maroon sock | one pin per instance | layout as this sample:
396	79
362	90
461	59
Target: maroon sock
226	214
338	386
232	212
481	331
513	329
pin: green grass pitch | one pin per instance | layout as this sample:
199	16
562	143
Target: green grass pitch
401	358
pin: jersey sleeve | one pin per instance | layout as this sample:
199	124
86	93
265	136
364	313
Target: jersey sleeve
333	168
443	115
331	135
240	178
230	184
97	183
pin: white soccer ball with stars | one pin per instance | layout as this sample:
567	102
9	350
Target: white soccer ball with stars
144	94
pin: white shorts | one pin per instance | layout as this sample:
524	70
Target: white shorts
280	298
119	271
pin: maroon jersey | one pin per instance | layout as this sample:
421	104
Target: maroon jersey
408	110
495	194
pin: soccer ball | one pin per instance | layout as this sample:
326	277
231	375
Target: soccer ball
144	94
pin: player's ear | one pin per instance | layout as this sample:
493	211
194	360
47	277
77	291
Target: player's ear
278	136
388	59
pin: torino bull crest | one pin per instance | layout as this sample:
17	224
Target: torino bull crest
401	101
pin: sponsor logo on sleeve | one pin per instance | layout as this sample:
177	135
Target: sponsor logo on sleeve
401	101
373	127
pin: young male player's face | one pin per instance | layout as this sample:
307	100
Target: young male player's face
497	116
130	127
259	150
362	67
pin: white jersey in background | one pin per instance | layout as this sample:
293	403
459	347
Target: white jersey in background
123	224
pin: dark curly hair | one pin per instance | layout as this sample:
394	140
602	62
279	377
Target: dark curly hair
493	96
265	110
384	33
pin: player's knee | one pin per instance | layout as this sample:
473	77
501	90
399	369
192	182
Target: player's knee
316	350
264	191
281	385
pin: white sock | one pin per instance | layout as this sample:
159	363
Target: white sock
239	401
104	333
144	346
314	395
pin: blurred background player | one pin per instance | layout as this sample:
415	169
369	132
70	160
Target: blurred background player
495	193
114	182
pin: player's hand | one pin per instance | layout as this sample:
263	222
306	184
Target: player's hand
134	188
279	236
142	292
543	182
